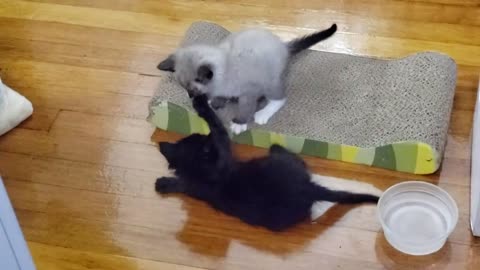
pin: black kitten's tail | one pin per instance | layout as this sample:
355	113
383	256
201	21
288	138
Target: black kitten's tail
345	197
297	45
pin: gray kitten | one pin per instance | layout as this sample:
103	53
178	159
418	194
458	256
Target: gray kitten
245	67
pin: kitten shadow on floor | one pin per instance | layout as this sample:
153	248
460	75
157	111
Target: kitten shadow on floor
211	233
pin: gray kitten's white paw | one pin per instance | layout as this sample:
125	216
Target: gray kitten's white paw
261	117
238	128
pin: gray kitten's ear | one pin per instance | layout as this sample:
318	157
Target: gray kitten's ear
168	64
204	74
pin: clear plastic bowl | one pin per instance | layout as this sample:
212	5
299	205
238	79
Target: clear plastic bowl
417	217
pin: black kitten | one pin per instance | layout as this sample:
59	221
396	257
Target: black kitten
274	191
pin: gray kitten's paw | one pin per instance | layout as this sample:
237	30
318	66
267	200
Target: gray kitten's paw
237	128
261	117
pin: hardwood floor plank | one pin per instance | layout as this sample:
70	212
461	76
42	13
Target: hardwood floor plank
468	76
85	149
119	20
104	127
59	258
396	9
84	56
26	29
463	100
95	96
41	119
458	147
27	141
461	122
131	60
469	3
115	153
43	75
80	175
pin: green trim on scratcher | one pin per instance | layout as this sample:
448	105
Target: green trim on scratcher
406	150
411	157
315	148
178	119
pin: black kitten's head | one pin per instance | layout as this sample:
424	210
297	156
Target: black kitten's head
195	154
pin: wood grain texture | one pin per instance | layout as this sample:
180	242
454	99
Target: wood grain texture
80	171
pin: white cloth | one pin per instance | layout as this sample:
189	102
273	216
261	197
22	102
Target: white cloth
14	108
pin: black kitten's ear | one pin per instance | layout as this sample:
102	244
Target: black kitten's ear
204	74
168	64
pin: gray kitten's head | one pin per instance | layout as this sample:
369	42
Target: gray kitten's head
194	67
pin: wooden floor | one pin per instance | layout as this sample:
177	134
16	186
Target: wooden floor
80	172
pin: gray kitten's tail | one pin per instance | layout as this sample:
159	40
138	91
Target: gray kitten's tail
297	45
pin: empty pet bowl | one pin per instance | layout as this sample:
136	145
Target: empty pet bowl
417	217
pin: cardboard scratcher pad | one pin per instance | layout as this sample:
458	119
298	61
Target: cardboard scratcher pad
392	114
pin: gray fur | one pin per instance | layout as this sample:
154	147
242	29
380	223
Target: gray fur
246	65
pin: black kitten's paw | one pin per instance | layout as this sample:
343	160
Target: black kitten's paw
166	185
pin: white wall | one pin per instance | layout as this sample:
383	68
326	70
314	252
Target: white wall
14	253
475	182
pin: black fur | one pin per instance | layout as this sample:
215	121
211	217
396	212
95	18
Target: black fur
274	191
297	45
167	64
204	74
